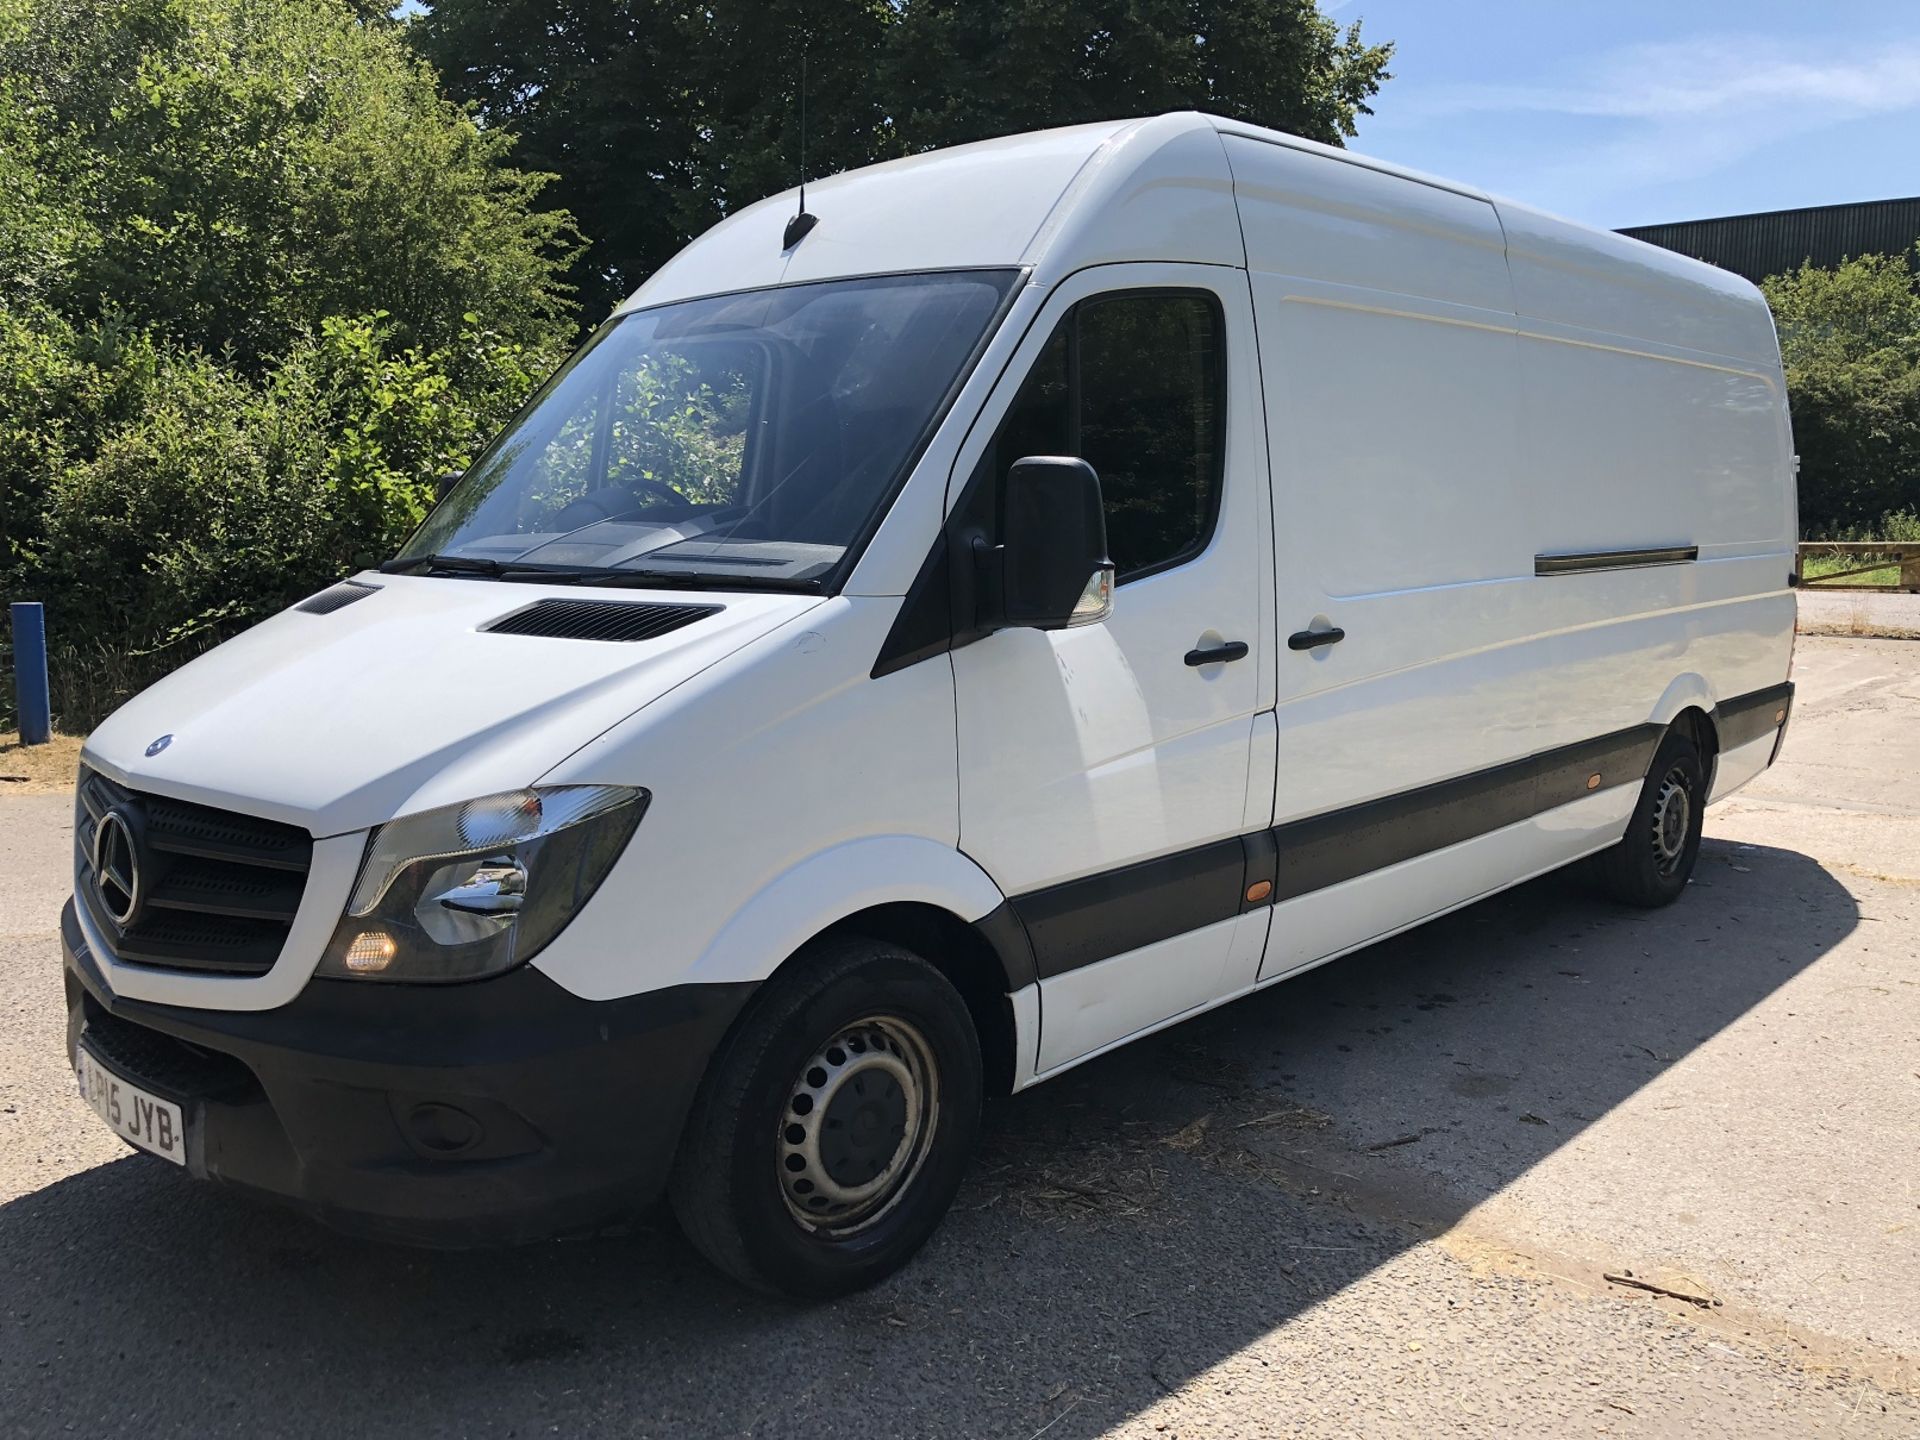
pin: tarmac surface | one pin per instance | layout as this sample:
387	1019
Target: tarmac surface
1382	1199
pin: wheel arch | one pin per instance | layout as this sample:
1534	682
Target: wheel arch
974	960
1684	692
1688	707
1697	725
908	890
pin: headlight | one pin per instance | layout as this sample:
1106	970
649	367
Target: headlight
473	889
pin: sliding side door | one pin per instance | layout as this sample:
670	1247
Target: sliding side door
1410	771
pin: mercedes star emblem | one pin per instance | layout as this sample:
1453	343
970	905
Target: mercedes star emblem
116	868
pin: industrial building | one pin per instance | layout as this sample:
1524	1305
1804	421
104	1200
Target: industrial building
1779	240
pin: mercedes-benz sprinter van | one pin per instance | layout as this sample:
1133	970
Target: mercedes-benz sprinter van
1049	589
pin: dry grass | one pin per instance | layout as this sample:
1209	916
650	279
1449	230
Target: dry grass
1081	1161
37	769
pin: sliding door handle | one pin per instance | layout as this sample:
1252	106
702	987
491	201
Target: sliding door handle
1314	639
1218	654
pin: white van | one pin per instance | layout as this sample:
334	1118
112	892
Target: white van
1072	582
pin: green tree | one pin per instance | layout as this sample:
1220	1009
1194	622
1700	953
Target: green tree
250	167
661	119
596	91
260	285
1850	342
969	69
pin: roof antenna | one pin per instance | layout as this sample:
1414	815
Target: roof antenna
801	223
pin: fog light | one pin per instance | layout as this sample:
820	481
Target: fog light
371	950
444	1130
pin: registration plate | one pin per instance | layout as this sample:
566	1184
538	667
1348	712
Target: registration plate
136	1115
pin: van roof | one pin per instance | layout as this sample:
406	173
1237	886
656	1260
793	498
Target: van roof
1158	188
993	203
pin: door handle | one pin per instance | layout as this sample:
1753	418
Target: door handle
1218	654
1314	639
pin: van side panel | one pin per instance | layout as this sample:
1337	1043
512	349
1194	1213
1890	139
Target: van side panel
1652	415
1461	450
1387	358
1318	218
1608	284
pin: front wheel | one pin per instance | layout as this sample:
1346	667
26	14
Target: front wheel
1652	864
835	1124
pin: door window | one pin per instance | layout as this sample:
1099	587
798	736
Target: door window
1134	384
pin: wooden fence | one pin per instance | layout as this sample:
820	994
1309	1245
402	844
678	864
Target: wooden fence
1854	560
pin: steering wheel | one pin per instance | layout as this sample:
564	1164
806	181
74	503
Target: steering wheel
677	503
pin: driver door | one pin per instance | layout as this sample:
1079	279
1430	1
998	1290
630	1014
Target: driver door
1104	770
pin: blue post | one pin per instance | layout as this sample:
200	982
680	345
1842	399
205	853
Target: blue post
30	672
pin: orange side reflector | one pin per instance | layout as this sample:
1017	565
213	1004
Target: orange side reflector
1259	891
1593	782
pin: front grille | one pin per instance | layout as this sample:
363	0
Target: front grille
171	1066
218	890
599	619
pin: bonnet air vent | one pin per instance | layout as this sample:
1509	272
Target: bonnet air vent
335	597
599	619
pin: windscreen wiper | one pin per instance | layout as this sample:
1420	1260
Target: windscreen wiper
454	564
593	575
489	569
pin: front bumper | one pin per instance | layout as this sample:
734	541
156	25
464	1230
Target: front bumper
499	1111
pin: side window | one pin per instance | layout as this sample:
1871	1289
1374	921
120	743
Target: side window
1134	384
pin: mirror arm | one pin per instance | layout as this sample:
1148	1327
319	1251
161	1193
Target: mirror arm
985	606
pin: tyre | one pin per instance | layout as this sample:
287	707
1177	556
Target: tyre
1651	866
834	1124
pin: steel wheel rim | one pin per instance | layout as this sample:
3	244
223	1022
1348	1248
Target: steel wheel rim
858	1122
1672	820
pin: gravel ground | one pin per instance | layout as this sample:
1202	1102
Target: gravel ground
1859	612
1380	1199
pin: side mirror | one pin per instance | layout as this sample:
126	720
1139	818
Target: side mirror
1054	570
444	483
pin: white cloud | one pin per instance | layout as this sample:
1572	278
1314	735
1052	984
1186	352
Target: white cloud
1703	77
1650	114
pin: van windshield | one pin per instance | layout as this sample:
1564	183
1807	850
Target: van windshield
741	440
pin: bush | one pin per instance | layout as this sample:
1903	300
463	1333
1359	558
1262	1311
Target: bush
205	501
1850	341
245	249
252	167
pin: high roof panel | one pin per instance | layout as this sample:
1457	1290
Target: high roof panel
965	207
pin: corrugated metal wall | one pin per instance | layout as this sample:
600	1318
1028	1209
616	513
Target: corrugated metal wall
1760	245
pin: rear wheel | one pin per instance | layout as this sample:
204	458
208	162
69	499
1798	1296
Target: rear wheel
1652	864
835	1124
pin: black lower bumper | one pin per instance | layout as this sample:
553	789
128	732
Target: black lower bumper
499	1111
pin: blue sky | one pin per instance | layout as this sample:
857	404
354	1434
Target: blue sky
1629	112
